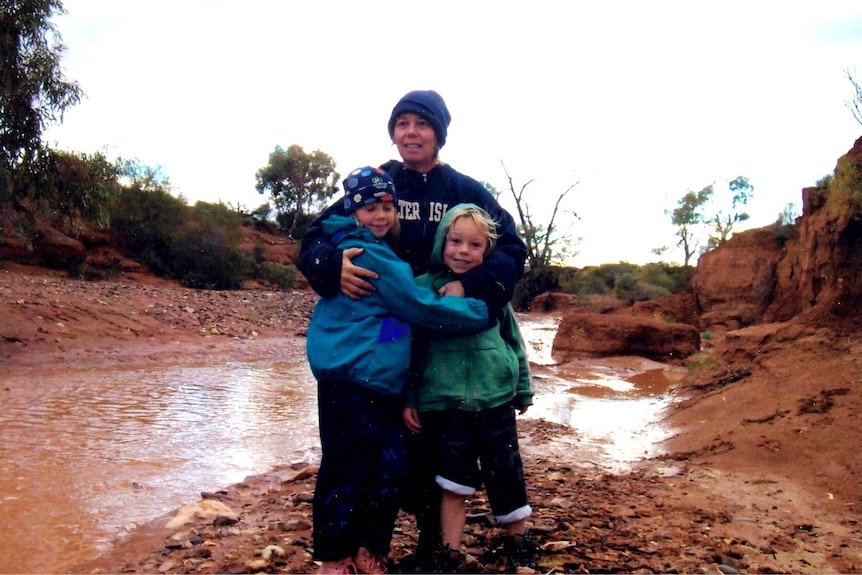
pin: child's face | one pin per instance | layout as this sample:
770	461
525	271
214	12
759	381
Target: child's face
378	217
465	246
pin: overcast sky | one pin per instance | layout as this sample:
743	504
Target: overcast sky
636	102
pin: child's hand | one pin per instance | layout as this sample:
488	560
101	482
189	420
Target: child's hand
410	415
455	288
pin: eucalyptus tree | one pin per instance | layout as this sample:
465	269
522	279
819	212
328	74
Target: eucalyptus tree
33	90
298	182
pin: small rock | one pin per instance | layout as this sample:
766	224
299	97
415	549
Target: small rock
271	550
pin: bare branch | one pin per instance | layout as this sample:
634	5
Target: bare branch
854	104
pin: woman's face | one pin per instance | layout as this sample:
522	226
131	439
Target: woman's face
378	217
416	141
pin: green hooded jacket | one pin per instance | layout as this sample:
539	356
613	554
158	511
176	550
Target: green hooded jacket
472	372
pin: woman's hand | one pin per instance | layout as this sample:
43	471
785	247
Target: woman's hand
352	283
410	415
455	288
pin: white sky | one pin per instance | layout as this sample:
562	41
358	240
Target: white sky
637	101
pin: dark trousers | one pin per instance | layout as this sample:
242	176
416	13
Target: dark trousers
362	471
422	494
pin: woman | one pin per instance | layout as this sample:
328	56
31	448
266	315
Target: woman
427	188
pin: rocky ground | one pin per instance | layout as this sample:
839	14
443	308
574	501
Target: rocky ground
760	479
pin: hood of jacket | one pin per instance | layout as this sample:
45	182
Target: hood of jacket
337	226
438	273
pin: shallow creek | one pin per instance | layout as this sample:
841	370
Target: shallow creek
87	454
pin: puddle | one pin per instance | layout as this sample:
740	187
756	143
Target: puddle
613	404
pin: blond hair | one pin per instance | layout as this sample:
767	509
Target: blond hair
480	217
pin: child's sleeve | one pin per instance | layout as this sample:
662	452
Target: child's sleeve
418	305
511	334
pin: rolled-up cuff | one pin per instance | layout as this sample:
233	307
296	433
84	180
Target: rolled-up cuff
516	515
456	488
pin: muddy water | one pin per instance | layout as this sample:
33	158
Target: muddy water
614	405
87	454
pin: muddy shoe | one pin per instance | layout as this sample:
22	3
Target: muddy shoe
520	553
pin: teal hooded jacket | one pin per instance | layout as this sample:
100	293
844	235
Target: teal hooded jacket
367	341
467	372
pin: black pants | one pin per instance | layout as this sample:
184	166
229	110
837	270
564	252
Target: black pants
422	495
362	471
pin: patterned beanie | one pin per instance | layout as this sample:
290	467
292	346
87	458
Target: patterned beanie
365	186
428	104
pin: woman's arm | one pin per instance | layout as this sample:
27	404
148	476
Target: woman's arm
329	269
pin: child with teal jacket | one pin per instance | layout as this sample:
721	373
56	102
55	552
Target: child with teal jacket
359	351
463	392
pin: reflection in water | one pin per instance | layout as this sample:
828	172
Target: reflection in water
89	453
616	417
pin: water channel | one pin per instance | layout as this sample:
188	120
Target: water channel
89	453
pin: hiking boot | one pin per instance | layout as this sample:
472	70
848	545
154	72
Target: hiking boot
520	552
424	559
342	567
367	562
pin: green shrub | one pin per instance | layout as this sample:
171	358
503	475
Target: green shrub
279	274
703	361
206	252
626	281
199	246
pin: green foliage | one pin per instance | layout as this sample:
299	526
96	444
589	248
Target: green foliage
78	185
535	281
298	182
846	188
279	274
145	221
627	282
199	246
33	91
63	189
206	252
705	362
723	222
687	216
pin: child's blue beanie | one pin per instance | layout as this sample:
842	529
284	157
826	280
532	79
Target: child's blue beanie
365	186
428	104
